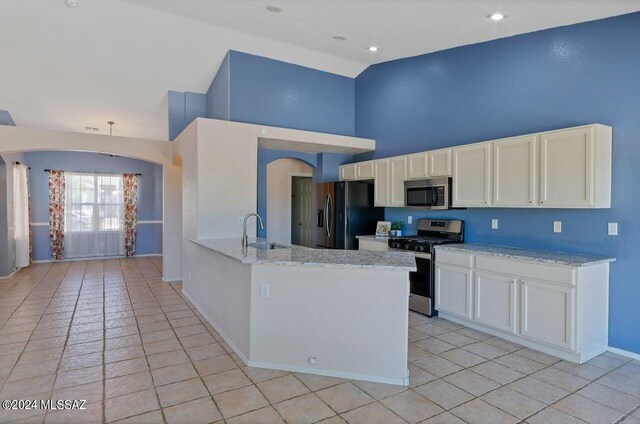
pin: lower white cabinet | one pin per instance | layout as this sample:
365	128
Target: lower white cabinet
557	309
453	290
495	300
547	313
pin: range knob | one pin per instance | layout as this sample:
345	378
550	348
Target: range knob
422	248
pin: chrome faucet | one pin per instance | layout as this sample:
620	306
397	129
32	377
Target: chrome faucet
244	227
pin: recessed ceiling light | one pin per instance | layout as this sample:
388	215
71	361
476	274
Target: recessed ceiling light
372	48
496	16
339	38
274	9
71	3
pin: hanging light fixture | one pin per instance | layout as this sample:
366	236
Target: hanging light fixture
111	124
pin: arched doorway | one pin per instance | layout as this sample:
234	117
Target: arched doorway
290	202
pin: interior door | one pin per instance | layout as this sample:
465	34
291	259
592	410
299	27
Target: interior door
306	214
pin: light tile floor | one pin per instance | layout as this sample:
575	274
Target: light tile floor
112	333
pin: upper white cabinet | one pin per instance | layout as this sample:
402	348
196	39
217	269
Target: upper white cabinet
417	166
568	168
381	182
348	172
472	175
439	163
364	170
398	174
575	168
515	172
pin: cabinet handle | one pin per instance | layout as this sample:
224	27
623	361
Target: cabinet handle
542	202
530	201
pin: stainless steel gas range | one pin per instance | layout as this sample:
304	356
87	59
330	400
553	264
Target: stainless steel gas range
430	234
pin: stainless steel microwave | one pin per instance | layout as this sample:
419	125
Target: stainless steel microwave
434	193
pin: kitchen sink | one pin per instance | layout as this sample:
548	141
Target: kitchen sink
265	245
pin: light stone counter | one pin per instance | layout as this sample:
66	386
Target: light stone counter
381	239
542	256
304	256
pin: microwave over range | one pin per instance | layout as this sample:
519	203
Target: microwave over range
434	193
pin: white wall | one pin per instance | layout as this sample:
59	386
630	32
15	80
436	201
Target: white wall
279	174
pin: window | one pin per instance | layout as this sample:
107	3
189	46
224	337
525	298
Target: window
94	215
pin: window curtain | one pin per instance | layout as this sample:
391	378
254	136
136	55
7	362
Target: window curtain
57	194
130	184
94	212
21	215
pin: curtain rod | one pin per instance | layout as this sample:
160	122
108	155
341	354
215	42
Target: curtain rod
18	163
89	172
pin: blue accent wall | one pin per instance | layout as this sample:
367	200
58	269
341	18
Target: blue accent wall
6	119
149	236
218	95
557	78
184	107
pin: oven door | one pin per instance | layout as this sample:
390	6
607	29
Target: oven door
422	194
421	285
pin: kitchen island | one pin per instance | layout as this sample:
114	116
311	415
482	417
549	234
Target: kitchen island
328	312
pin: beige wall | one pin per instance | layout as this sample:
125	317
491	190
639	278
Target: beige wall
279	174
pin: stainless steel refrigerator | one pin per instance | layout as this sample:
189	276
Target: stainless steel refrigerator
345	210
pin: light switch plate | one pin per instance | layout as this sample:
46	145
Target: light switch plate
494	224
409	219
264	290
557	226
612	228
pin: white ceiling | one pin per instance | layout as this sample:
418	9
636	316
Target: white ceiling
65	68
400	28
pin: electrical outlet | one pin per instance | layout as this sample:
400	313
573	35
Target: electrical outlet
409	219
313	360
557	226
264	290
612	228
189	275
494	224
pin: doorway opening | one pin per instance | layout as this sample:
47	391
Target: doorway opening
301	211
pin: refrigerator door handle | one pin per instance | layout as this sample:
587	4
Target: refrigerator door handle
328	214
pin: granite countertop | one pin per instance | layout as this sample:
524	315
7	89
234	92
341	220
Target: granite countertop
542	256
304	256
384	239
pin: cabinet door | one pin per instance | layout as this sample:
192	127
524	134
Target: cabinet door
417	166
364	170
515	170
495	301
348	172
567	169
547	313
381	182
453	290
439	163
472	175
398	174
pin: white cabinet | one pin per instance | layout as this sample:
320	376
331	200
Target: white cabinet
417	166
547	313
397	174
364	170
439	163
515	172
568	168
381	182
495	300
575	167
348	172
561	310
453	290
472	175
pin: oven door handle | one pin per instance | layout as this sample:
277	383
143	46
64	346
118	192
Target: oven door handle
423	255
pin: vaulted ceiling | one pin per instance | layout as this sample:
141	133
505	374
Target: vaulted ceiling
69	68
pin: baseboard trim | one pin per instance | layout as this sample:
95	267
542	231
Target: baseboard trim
9	276
625	353
171	279
235	348
98	258
331	373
